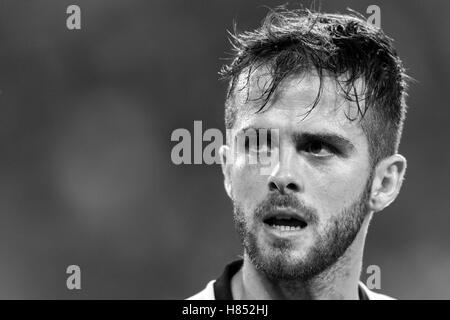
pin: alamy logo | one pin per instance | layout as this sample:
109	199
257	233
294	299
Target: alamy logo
252	146
182	152
73	21
374	280
74	280
375	17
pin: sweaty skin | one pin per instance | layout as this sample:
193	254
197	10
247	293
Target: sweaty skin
328	181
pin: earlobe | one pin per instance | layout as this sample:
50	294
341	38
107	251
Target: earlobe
387	181
225	161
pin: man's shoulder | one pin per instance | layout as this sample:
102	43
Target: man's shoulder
206	294
371	295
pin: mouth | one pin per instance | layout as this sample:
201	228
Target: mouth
285	219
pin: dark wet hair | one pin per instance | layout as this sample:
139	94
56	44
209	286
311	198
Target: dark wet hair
343	46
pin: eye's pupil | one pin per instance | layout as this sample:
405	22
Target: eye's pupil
315	147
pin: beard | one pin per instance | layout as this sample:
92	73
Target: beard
275	261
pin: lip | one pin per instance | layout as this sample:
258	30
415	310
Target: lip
275	233
285	213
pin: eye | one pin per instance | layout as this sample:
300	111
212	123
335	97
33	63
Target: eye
319	149
251	144
260	143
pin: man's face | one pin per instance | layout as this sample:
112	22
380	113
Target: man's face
298	219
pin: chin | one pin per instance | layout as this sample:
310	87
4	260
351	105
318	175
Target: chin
283	267
282	260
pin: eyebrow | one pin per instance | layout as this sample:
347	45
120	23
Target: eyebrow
331	138
256	129
299	137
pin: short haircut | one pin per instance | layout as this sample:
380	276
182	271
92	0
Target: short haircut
341	45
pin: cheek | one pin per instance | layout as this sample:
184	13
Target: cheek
249	187
338	189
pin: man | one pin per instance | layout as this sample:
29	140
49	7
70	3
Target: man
325	93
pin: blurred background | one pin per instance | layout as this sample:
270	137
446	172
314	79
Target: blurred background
86	175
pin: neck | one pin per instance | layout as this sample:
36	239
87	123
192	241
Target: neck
340	281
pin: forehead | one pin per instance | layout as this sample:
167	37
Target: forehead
290	107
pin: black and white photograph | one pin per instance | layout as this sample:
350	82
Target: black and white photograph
224	150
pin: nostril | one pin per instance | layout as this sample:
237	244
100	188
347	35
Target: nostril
293	187
272	186
283	186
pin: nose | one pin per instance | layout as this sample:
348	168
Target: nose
284	177
283	184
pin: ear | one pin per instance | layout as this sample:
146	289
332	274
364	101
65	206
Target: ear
387	181
226	162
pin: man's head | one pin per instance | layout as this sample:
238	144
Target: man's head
332	91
